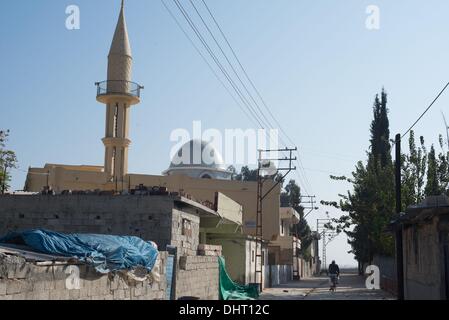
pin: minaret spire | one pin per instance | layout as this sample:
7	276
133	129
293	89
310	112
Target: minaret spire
118	93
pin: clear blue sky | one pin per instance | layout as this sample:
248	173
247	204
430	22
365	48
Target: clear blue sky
314	62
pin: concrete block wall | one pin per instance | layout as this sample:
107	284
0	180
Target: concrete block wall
198	277
186	241
147	217
21	280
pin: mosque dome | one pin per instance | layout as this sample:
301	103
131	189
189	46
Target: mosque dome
198	159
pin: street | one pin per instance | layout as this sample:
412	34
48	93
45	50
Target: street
351	287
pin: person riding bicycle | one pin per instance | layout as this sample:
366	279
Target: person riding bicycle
334	272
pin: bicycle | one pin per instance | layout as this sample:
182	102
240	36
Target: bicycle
334	281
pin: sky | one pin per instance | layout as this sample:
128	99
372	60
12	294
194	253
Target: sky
315	63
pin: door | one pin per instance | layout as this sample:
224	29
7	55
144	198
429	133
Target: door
170	271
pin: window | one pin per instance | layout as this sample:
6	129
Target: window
114	155
186	228
253	256
282	228
116	121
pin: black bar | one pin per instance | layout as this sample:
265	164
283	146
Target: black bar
399	246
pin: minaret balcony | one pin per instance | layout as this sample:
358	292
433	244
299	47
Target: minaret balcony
118	89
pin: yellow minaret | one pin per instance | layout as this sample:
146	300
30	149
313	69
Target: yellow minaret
118	93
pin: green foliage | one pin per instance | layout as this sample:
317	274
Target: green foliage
370	205
432	185
380	132
292	197
8	160
413	172
246	174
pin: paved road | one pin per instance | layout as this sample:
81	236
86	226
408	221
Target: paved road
350	287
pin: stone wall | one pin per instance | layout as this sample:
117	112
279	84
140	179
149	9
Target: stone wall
162	219
21	280
198	277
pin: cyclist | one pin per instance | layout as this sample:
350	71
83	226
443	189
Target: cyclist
334	273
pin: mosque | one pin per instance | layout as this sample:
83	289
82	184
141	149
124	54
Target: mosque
118	93
202	180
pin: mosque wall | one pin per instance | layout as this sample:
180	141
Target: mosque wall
242	192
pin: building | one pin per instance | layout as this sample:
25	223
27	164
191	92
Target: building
198	159
197	174
282	256
311	264
170	220
425	238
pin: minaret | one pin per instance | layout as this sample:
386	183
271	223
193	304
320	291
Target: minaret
118	93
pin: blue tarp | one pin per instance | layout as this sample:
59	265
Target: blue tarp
105	252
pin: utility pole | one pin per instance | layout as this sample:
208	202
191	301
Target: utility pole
263	163
309	205
326	236
399	244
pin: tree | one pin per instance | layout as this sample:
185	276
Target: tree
380	132
246	174
414	166
370	205
8	160
292	197
432	186
443	167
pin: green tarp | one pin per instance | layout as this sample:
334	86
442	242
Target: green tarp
229	290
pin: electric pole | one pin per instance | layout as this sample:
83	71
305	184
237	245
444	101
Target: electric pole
266	171
399	245
326	236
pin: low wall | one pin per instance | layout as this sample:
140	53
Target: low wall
198	277
147	217
388	273
152	218
21	280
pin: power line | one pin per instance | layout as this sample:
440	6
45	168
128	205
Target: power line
244	71
230	64
261	119
207	62
214	57
428	108
300	165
